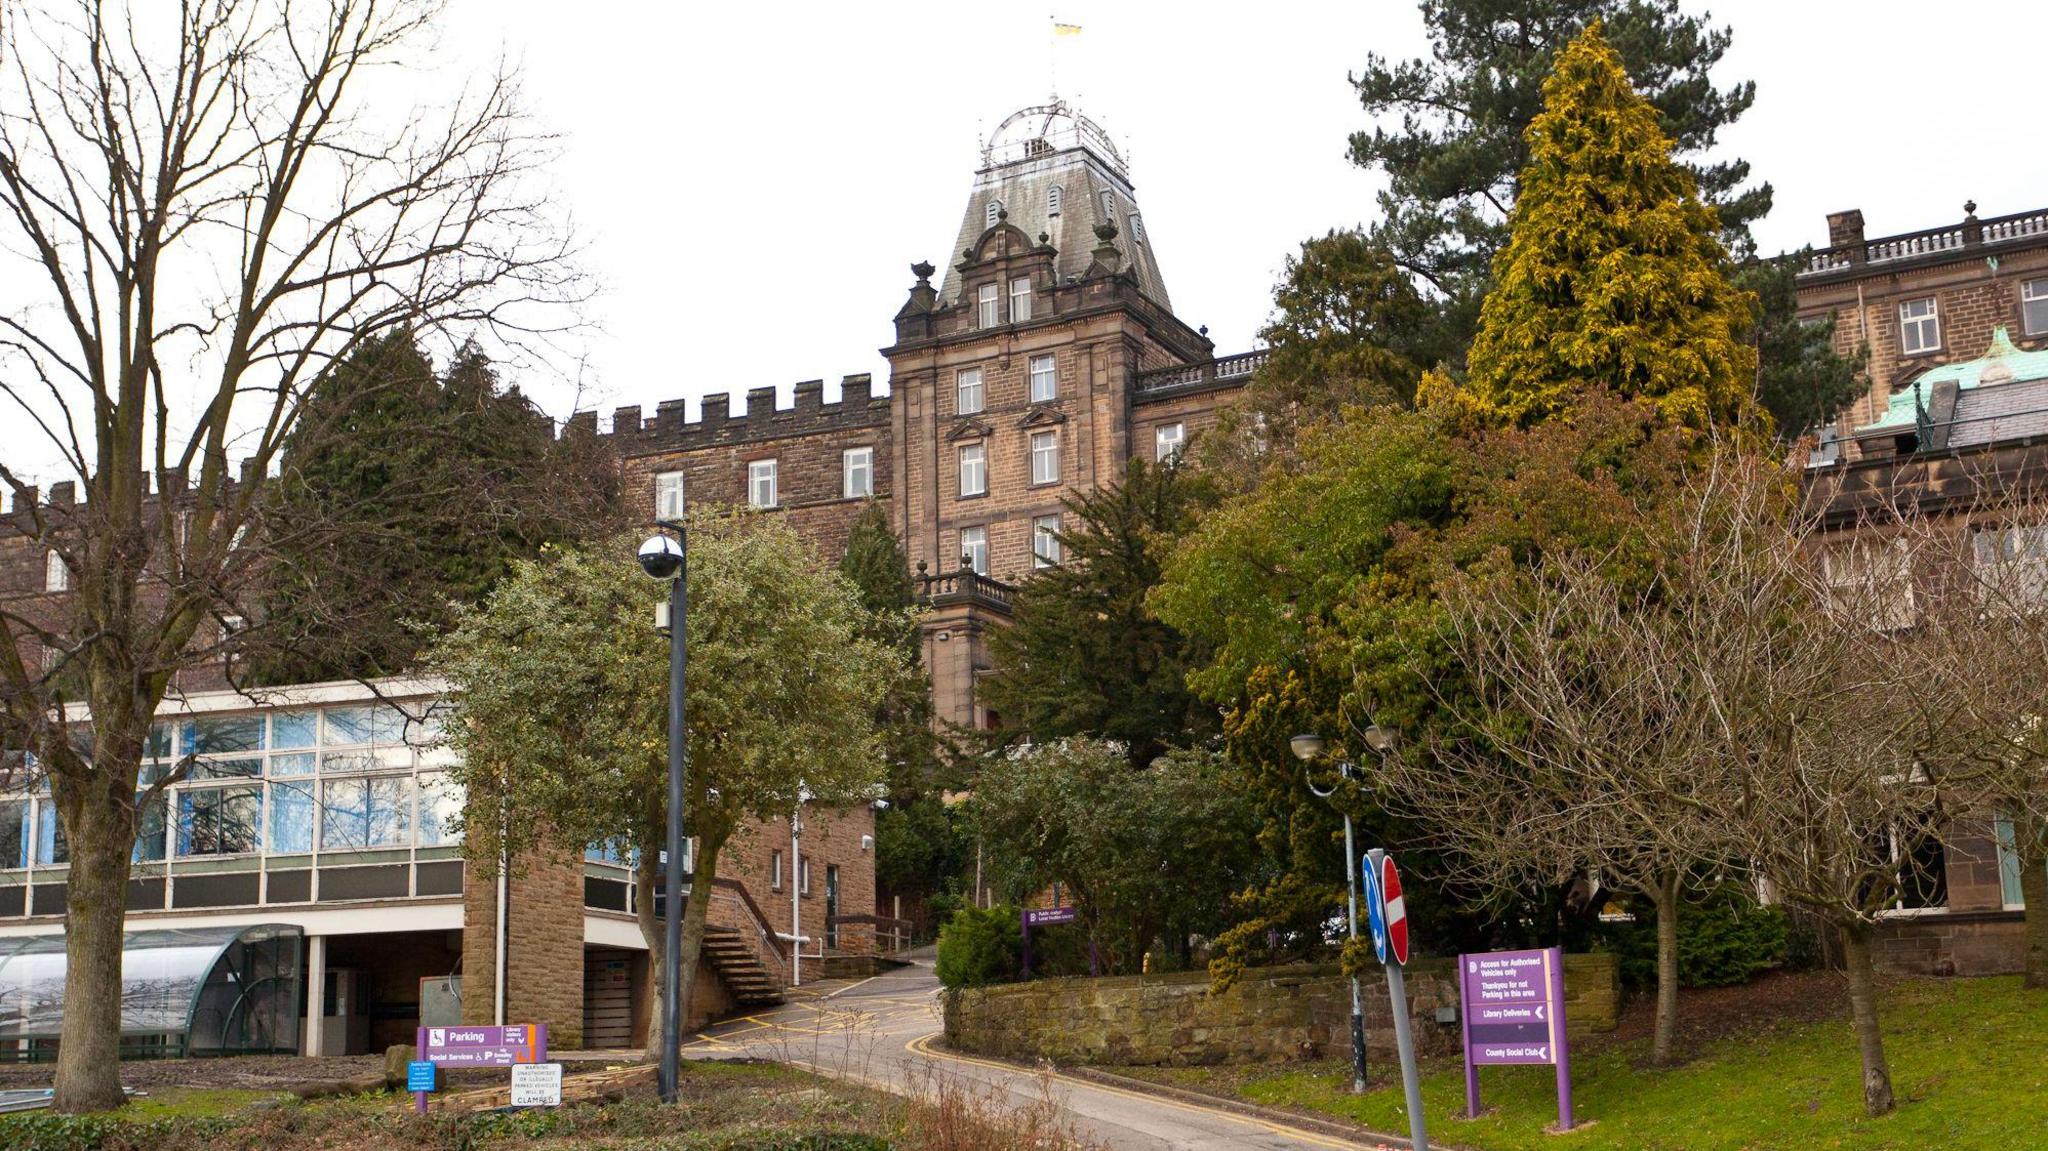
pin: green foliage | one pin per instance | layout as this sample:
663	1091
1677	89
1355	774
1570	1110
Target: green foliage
1086	656
980	946
1801	381
1724	940
1451	127
1612	277
48	1131
919	845
1144	853
402	493
560	701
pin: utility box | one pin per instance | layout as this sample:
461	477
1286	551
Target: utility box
441	1001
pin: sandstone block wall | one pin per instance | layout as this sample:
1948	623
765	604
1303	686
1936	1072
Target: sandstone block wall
1270	1014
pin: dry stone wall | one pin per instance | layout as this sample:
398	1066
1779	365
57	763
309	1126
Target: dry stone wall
1268	1015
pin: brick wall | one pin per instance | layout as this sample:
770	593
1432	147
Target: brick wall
1268	1015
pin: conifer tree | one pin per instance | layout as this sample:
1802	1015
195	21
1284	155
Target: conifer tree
1612	276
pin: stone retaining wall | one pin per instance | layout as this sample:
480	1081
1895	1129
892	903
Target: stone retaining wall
1270	1014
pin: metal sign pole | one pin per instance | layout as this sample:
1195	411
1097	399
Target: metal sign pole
1397	991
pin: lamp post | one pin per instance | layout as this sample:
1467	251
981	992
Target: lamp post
1307	748
665	558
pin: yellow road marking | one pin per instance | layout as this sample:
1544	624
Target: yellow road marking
921	1046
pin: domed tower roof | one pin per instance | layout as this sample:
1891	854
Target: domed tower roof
1049	169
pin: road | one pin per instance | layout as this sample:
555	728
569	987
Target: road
882	1032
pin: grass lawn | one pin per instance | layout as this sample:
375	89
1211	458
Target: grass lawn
1968	1065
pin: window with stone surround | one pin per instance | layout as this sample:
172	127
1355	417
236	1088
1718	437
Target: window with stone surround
1044	379
1045	457
1138	229
973	469
1052	200
56	573
1109	206
1919	326
992	214
974	549
2034	307
761	486
1167	440
857	473
967	396
1045	541
1020	299
989	312
668	496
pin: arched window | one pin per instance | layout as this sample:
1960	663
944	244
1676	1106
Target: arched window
1052	200
995	210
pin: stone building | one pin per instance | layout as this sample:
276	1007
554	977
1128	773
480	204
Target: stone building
1954	430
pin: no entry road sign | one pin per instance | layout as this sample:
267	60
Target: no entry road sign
1394	909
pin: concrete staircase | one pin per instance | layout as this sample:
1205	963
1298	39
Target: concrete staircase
751	983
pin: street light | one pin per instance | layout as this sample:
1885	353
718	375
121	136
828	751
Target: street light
1308	747
665	558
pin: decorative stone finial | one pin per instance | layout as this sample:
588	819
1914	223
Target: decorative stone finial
1202	331
922	270
1002	214
1105	231
1045	237
1969	207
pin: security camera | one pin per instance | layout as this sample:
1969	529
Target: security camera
661	557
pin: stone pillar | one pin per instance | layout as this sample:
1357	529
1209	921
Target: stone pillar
543	950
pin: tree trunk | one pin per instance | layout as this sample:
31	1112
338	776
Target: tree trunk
693	918
100	829
1877	1075
2030	844
650	932
1665	895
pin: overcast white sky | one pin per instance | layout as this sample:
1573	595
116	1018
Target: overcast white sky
753	180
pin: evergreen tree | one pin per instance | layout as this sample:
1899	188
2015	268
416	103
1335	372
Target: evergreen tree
1085	655
1455	159
402	493
1801	380
1612	276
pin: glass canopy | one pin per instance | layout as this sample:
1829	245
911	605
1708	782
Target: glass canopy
224	990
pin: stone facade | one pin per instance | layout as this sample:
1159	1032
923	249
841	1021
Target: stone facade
543	947
1268	1015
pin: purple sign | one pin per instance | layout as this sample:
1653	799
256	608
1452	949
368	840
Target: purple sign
484	1046
1047	916
1512	1005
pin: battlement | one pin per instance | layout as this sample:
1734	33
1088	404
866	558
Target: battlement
634	433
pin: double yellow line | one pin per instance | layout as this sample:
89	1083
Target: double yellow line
922	1046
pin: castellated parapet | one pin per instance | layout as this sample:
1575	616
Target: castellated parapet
634	433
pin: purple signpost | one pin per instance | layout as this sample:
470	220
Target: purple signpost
1045	917
480	1047
1512	1004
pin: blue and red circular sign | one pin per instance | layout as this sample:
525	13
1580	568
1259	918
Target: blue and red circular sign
1391	907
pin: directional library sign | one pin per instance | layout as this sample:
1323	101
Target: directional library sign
1512	1004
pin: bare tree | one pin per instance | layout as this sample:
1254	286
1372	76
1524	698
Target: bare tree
1582	741
210	210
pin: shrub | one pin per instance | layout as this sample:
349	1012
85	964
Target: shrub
1726	939
980	946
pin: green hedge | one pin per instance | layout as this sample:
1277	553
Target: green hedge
1723	940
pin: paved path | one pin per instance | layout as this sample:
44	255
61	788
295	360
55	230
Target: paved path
881	1032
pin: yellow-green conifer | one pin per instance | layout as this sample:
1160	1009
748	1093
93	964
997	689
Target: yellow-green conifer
1612	277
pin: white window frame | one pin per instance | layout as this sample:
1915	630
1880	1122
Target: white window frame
969	396
973	470
1916	323
1020	299
1045	541
1044	376
989	306
803	875
1167	442
668	495
764	474
56	573
775	870
2033	301
857	464
1045	458
974	544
